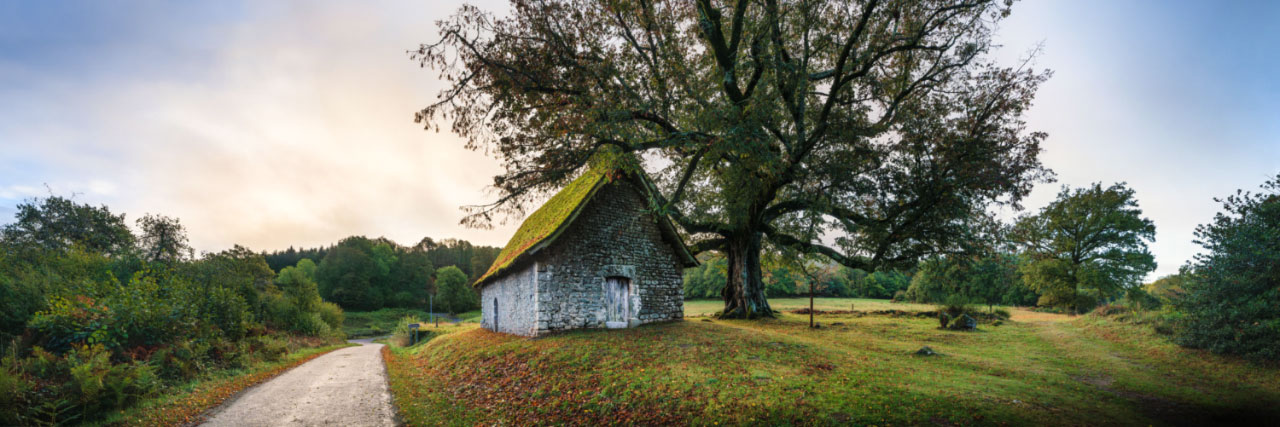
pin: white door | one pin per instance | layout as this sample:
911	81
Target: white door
617	293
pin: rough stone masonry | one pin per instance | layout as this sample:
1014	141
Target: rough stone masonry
565	285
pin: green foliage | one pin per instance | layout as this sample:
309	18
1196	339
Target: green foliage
403	336
347	275
472	260
1168	289
58	223
1232	291
379	322
707	280
163	239
297	305
278	260
990	280
369	274
1087	246
893	131
77	387
881	284
454	294
89	326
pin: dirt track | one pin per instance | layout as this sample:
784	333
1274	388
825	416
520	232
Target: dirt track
347	387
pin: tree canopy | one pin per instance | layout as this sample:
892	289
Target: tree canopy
163	239
1088	245
762	122
1231	292
58	223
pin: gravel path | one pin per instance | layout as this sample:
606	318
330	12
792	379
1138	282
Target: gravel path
346	387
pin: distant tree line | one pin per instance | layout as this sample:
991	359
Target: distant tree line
359	273
782	280
1086	248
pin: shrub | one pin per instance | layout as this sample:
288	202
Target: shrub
80	385
454	294
1231	293
403	336
332	315
1139	299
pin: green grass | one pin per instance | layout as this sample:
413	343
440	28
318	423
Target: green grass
377	323
1039	368
708	307
472	316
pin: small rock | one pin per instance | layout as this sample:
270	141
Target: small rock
964	323
926	351
706	320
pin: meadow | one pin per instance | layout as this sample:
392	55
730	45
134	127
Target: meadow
360	324
1037	368
708	307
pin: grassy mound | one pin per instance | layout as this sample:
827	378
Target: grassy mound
1039	369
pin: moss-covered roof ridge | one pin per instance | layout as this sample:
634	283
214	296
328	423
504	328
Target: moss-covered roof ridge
541	228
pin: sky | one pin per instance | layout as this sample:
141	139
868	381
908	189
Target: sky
281	123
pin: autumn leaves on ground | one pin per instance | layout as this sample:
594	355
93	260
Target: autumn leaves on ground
858	368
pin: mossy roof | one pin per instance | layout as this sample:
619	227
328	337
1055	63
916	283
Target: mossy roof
542	227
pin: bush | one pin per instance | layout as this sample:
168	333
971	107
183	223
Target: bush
1139	299
403	335
1231	296
332	315
454	294
81	384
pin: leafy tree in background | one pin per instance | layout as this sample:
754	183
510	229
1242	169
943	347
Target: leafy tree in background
163	239
1169	288
707	280
347	275
481	259
1232	291
239	270
411	279
988	280
278	260
307	267
882	284
880	121
1087	246
454	293
58	223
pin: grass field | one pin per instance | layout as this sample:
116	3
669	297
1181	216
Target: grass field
382	322
708	307
1037	369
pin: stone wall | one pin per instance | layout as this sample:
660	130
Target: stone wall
612	237
516	305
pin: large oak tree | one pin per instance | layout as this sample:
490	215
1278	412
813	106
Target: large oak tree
1087	246
878	124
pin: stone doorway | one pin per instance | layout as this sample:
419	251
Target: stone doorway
616	302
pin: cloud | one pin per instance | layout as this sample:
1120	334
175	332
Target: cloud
298	132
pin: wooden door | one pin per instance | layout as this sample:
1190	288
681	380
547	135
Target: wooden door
617	293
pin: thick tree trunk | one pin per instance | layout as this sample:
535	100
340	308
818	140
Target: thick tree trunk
744	293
